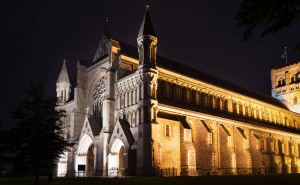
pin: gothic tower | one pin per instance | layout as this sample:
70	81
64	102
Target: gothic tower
63	86
147	47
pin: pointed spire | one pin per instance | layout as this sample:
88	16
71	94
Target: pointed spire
146	27
105	27
63	75
104	45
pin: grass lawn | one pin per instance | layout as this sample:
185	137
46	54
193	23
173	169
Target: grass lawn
204	180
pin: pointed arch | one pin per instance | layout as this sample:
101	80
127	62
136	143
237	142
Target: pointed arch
84	143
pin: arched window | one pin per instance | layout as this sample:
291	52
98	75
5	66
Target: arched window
257	113
297	76
167	93
295	100
161	88
262	114
234	107
287	123
198	98
183	94
283	81
193	96
188	94
225	105
246	111
277	118
279	83
252	112
210	101
173	91
167	131
241	111
204	99
217	103
177	92
292	79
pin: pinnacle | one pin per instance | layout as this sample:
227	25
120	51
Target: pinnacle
146	26
63	75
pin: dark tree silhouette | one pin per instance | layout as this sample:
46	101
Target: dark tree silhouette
37	141
271	15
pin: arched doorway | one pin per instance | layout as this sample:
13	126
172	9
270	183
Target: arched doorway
85	156
117	159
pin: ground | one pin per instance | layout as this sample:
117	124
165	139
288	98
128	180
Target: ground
204	180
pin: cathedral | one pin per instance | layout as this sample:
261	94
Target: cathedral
137	113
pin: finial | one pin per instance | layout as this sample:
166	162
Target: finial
106	20
87	109
65	60
105	27
147	6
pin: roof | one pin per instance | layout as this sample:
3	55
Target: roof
146	26
174	117
126	129
205	126
95	127
197	74
83	62
63	75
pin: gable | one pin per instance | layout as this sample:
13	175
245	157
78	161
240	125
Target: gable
103	49
122	132
90	127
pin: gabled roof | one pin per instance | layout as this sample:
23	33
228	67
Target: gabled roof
95	127
63	75
103	48
126	129
146	26
197	74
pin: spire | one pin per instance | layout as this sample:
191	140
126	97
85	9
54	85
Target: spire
105	27
63	86
104	45
63	75
147	27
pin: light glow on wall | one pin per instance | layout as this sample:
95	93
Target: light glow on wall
62	165
81	156
113	157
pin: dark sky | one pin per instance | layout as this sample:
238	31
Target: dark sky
36	35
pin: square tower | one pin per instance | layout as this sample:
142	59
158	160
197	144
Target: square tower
286	85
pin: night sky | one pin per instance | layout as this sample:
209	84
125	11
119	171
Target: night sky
36	35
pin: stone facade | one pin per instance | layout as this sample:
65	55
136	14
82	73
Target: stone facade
285	85
137	113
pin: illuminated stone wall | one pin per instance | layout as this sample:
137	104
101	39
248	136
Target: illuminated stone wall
226	147
285	85
186	127
168	144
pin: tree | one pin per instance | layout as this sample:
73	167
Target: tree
272	15
38	139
